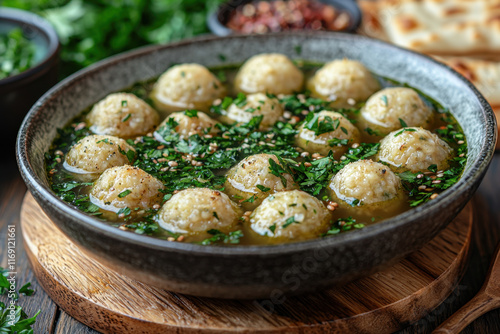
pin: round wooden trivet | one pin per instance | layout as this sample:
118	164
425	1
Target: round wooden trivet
112	303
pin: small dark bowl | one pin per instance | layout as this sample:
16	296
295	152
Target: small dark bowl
256	271
217	20
19	92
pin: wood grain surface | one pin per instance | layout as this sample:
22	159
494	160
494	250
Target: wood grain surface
486	234
112	303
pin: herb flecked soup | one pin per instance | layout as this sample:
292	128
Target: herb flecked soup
257	165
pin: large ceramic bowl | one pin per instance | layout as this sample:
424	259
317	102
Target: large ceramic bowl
256	271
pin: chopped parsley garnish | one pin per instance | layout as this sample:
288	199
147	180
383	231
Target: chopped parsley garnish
372	132
126	118
262	188
126	211
124	193
124	103
290	221
404	130
343	225
250	199
241	100
191	113
337	142
403	123
384	100
321	124
272	228
17	53
220	237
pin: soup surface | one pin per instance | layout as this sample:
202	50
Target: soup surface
234	161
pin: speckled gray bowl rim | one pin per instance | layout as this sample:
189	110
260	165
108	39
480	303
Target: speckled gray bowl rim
24	17
467	180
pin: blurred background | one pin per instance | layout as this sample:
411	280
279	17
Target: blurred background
91	30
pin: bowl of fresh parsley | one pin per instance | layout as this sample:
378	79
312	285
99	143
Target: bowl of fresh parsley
29	54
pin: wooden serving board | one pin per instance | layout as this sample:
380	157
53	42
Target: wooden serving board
112	303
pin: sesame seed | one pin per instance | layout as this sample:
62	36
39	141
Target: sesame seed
355	145
304	112
462	155
247	213
164	169
121	215
173	164
180	238
330	207
429	189
58	152
161	147
460	142
343	158
123	228
307	164
171	239
419	176
156	206
208	136
440	175
304	154
436	181
316	155
433	196
422	187
58	160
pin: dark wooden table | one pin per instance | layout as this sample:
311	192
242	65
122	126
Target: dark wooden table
54	320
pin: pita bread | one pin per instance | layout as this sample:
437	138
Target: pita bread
442	27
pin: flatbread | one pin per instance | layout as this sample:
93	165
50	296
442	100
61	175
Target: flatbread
442	27
485	75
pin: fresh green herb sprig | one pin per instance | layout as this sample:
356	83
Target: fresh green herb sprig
20	323
17	53
343	225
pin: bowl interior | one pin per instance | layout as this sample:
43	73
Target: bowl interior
56	108
35	29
